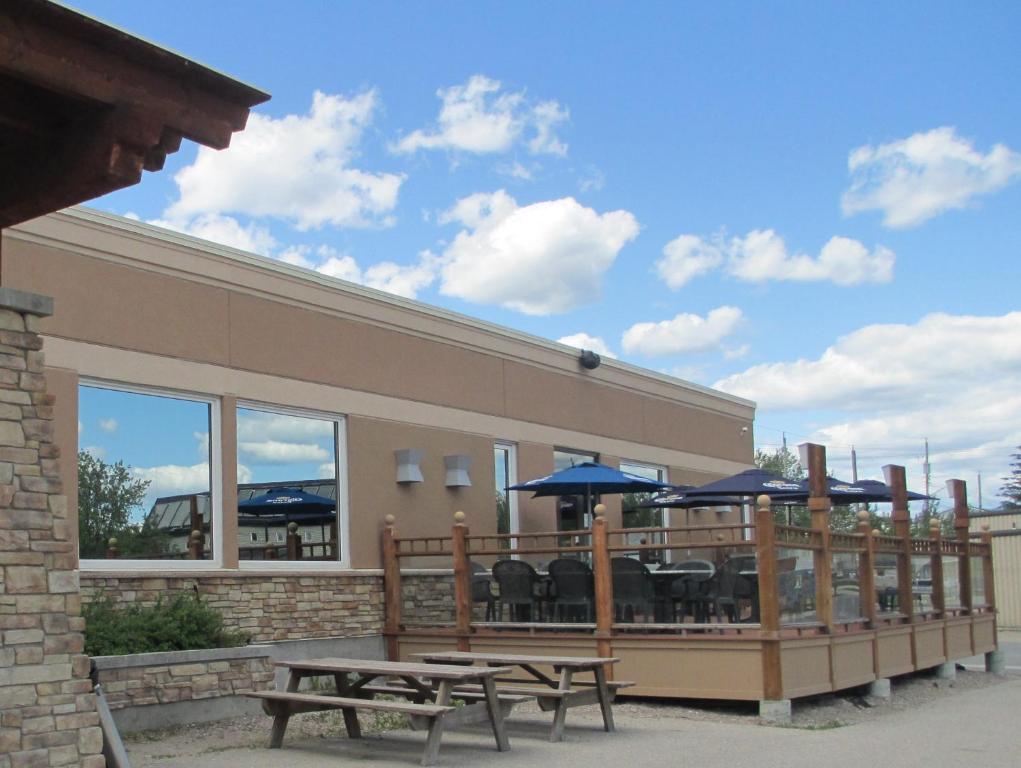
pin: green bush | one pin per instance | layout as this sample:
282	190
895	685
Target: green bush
182	623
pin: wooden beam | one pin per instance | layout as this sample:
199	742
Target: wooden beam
391	589
603	582
100	154
895	478
959	493
462	583
87	61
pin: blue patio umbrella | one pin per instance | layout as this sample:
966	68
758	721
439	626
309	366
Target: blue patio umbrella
682	498
286	502
586	479
861	492
751	482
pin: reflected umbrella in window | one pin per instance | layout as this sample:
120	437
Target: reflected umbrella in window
281	506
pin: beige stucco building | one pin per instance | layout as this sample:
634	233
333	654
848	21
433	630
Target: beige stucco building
142	311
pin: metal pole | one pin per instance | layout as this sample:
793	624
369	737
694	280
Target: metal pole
925	468
854	466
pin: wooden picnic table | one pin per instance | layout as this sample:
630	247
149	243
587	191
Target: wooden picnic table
432	686
559	693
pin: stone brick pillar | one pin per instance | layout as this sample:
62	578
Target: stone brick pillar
47	708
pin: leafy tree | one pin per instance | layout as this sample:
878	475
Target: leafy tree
107	494
782	461
502	513
1011	490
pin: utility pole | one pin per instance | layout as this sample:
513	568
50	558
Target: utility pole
854	466
925	469
979	491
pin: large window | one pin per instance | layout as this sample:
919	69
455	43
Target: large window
636	516
289	504
571	512
505	472
145	472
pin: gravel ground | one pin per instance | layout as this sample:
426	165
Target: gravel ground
169	747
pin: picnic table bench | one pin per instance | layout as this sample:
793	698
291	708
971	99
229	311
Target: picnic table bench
558	694
432	685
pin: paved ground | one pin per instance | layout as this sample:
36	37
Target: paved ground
968	727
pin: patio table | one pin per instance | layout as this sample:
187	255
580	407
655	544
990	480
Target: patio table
559	694
431	686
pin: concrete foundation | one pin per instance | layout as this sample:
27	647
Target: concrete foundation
880	689
947	671
996	663
775	712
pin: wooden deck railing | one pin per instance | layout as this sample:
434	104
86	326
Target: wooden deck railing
795	582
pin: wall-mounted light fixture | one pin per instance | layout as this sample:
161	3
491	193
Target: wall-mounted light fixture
408	469
589	359
457	470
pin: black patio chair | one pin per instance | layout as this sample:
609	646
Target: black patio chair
731	588
573	589
688	591
482	589
633	592
517	582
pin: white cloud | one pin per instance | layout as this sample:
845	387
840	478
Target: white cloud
955	379
173	479
480	117
762	256
584	341
225	230
296	168
276	452
686	257
538	259
890	366
914	179
95	451
263	425
736	352
399	279
327	469
108	425
684	333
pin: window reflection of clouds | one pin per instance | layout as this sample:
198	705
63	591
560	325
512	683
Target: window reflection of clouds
159	437
278	446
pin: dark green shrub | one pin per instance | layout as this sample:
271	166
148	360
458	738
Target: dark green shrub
182	623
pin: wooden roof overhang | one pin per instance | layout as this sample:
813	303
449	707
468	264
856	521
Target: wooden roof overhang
86	107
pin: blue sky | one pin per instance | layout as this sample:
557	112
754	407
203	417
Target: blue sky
814	205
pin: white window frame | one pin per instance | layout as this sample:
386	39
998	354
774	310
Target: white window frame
664	478
341	476
215	482
512	479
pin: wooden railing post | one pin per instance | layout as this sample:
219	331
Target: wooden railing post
895	478
293	542
867	570
196	545
391	589
603	579
462	583
958	491
769	599
819	507
987	569
939	602
193	513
